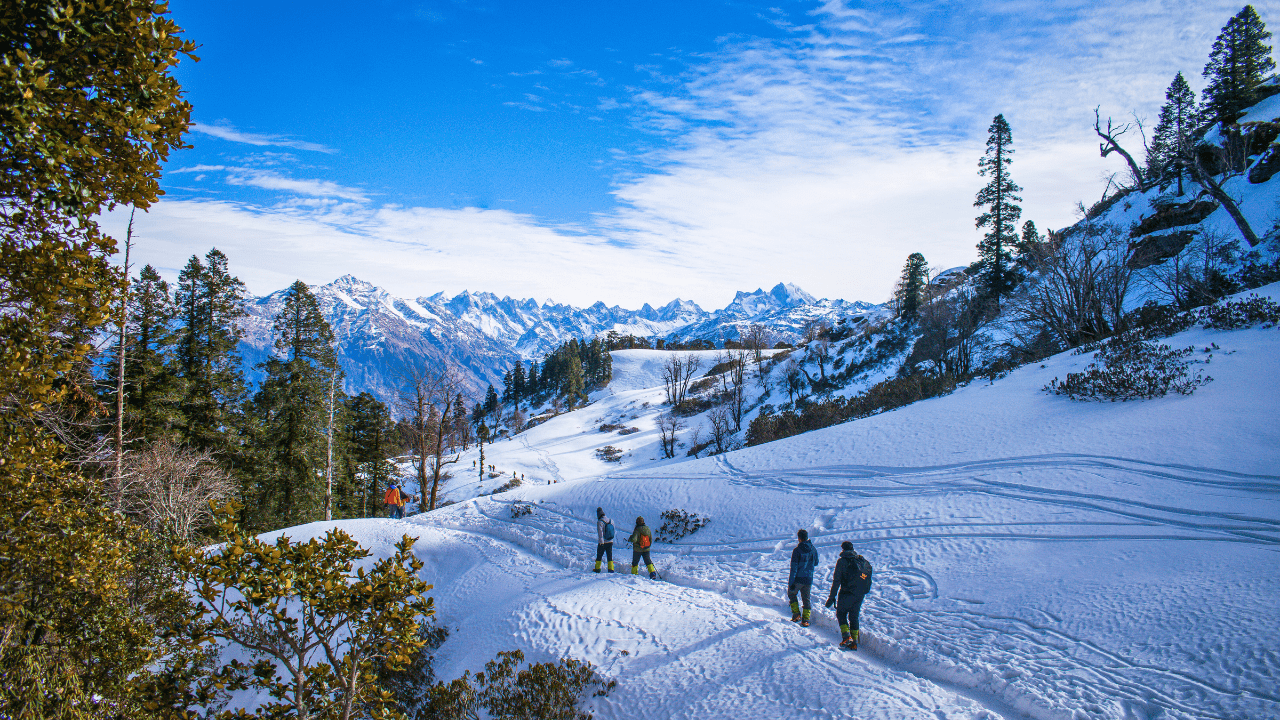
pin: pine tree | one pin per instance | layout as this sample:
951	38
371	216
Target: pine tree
210	306
910	293
518	383
1238	62
1171	140
367	440
491	403
1001	216
153	390
292	407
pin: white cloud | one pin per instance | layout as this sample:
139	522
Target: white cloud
823	159
226	132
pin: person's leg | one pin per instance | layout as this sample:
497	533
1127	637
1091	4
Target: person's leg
608	551
843	607
635	562
599	555
648	562
804	595
854	611
792	590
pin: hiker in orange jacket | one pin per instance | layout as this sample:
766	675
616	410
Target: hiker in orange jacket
641	540
395	500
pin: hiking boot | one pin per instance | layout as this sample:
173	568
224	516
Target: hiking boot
653	576
804	622
795	617
846	642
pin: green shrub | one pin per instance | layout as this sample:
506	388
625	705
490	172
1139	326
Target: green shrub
1129	368
679	523
1234	315
542	691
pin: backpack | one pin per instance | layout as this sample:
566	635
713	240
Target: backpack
392	497
608	532
643	542
862	577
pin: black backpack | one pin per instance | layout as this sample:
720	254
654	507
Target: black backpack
862	575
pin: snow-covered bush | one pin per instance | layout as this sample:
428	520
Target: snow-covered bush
1241	314
609	453
511	484
679	523
1129	368
520	510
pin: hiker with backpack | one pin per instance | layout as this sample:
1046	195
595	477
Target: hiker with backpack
604	539
392	499
804	560
641	540
852	580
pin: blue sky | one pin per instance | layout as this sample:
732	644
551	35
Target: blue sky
636	152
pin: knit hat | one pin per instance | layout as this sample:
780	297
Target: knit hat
846	545
599	512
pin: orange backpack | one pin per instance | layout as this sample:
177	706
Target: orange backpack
392	497
645	541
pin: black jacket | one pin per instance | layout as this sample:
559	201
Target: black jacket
852	575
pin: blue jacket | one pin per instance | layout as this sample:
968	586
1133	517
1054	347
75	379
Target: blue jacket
804	559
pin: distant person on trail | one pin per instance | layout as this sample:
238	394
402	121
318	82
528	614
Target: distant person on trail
641	540
852	580
804	560
394	500
604	539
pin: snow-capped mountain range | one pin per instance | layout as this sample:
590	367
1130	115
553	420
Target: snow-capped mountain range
482	335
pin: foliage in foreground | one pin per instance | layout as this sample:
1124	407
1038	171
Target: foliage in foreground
505	691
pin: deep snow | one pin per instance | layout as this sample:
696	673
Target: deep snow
1035	556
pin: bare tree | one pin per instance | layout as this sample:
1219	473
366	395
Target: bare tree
122	348
677	374
721	427
820	350
1081	286
1110	143
737	396
668	426
427	401
173	488
793	377
1197	275
948	333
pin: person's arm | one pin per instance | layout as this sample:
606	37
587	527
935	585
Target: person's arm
835	584
791	576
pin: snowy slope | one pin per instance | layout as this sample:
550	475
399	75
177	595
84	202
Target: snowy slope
1035	557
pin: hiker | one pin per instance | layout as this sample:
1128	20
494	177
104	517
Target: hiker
393	499
852	579
604	539
641	539
804	559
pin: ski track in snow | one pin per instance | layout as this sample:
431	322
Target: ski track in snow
1088	675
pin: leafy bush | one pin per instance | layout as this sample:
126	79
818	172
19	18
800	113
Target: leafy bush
629	431
520	510
511	484
1131	369
610	427
679	523
1153	321
609	453
542	691
1241	314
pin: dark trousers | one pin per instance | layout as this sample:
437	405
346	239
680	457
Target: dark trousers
604	550
635	559
848	606
801	588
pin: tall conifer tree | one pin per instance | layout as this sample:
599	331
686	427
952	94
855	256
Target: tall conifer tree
1171	140
910	293
1001	216
210	306
153	389
1238	62
293	407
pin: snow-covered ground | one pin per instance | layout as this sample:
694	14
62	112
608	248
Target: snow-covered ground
1035	557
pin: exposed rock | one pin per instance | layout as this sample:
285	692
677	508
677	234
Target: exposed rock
1170	216
1155	249
1266	166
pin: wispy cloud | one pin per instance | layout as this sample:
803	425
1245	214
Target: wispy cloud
823	158
226	132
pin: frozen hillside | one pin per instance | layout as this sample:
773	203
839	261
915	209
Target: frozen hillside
1035	556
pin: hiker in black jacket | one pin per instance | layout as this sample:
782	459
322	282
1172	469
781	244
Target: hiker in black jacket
804	560
604	539
852	580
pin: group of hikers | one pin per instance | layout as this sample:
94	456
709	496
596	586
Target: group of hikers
641	540
850	583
